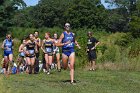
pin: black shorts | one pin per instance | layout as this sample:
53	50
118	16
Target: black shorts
30	56
92	55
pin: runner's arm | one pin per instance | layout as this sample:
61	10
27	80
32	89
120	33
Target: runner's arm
21	48
12	42
36	50
59	43
77	44
3	44
75	41
39	43
43	46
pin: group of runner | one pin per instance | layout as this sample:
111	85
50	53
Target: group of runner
31	45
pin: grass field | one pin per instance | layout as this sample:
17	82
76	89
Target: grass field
87	82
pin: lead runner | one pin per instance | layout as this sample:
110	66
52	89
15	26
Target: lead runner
67	41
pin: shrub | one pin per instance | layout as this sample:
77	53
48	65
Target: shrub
134	48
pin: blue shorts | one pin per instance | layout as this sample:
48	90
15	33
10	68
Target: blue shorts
67	52
7	53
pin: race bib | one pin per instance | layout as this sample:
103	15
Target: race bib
8	49
70	45
48	50
31	52
22	54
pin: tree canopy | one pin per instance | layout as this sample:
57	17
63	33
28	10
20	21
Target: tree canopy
7	10
80	13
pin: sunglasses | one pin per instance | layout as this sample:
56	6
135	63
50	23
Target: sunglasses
8	37
67	26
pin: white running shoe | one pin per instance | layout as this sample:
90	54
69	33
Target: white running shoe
48	73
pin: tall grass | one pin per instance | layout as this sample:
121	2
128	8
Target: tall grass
119	54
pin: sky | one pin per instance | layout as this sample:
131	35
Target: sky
34	2
107	5
31	2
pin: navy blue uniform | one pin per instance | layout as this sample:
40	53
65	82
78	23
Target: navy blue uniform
8	47
31	49
68	48
49	47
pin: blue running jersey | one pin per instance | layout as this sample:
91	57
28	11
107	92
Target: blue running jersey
68	37
8	45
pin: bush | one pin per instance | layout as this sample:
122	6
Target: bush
135	48
124	40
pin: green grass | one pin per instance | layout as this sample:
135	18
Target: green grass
87	82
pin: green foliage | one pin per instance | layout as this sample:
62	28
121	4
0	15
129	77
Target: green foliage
50	13
7	10
124	40
135	20
109	55
23	18
102	48
115	21
79	13
135	26
135	48
121	51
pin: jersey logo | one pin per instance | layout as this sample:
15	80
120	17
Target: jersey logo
89	42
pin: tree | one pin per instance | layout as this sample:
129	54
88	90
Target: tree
7	10
80	13
135	21
121	16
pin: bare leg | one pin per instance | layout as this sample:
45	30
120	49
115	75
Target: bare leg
64	60
32	64
93	65
50	60
28	65
90	62
47	61
5	65
58	61
10	63
72	61
19	60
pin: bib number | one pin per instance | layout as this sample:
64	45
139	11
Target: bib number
31	52
8	49
70	45
48	50
22	54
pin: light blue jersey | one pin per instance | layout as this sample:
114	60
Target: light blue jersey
8	47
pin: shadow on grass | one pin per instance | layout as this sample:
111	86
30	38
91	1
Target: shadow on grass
68	81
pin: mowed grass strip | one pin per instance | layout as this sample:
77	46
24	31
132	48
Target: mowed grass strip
87	82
